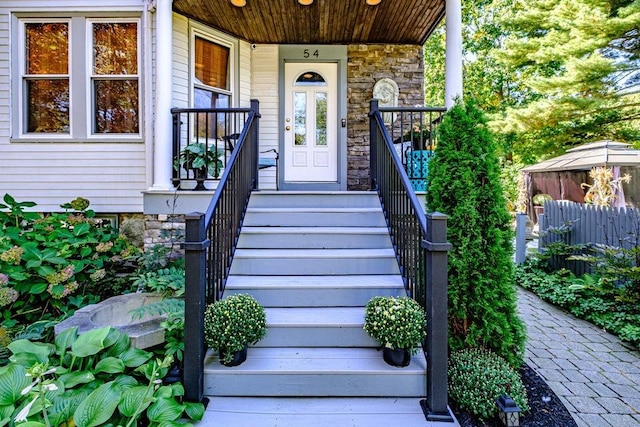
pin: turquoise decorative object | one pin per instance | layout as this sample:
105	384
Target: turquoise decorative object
418	167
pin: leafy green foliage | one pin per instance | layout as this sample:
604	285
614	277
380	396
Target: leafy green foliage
583	76
618	268
166	277
396	323
165	281
585	297
464	184
88	380
174	335
198	156
232	323
469	368
512	183
50	263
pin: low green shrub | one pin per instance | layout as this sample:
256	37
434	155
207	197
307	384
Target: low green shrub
477	377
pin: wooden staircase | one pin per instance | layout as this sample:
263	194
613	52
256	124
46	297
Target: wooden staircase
314	260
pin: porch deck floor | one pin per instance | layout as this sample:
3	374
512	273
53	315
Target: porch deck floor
316	412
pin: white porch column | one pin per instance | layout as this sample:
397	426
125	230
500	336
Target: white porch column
453	62
163	94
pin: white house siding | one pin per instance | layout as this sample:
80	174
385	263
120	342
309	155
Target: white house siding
110	175
52	174
180	61
264	87
5	101
245	74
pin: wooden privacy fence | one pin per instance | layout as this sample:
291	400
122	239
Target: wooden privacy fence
587	225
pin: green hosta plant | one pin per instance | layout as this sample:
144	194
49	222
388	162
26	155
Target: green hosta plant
198	156
233	323
477	377
395	322
89	380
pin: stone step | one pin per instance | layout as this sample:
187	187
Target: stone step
316	327
328	262
314	237
298	372
315	291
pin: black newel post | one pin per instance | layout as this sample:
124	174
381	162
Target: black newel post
195	246
436	245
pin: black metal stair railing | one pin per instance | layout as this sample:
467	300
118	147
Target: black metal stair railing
210	241
420	243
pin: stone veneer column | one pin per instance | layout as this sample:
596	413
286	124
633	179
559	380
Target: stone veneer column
366	65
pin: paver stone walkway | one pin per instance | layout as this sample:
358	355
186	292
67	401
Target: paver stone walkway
596	375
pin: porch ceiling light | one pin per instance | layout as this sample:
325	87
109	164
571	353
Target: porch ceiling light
305	2
373	2
239	3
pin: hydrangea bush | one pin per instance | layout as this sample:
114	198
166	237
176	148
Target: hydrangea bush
51	263
395	322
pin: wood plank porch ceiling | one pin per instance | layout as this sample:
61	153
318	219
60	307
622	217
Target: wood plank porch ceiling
323	22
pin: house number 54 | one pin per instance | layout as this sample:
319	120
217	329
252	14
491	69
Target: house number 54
307	53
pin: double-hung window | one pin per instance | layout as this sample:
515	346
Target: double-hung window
46	77
212	85
114	78
79	78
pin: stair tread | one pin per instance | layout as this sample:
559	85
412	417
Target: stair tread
314	253
328	405
313	209
260	193
356	281
315	317
313	230
317	411
315	361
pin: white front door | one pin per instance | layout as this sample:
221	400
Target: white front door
311	122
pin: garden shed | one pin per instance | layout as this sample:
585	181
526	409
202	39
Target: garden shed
562	177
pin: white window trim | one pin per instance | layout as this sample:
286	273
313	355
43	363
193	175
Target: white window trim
223	40
80	119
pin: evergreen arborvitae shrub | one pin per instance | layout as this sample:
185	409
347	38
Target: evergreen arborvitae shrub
464	183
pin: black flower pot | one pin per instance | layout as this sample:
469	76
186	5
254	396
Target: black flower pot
396	357
237	359
200	175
